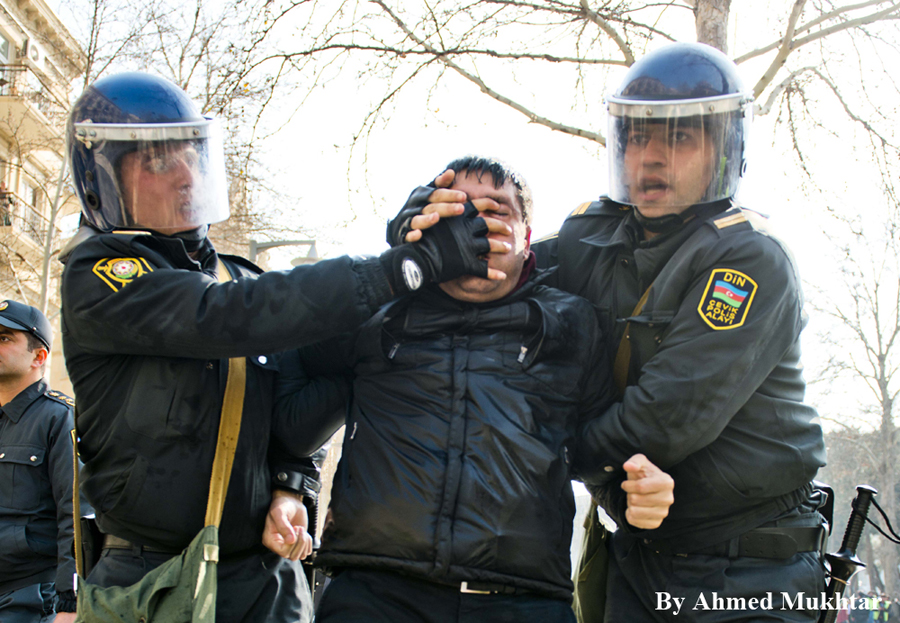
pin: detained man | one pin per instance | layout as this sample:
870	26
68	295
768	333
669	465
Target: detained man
453	498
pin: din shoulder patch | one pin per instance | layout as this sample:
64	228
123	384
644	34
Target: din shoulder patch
52	394
118	272
726	299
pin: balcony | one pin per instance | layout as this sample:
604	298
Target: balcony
17	217
28	107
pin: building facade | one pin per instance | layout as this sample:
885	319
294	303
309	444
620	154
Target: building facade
40	62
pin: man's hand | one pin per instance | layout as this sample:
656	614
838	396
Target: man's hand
64	617
286	524
650	493
425	210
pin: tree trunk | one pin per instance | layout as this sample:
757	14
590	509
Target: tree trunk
875	583
711	21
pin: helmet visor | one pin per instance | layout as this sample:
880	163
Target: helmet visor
164	177
674	155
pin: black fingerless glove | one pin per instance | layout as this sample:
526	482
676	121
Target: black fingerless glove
448	250
400	225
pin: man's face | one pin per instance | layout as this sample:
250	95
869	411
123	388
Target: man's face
158	184
476	289
16	361
668	167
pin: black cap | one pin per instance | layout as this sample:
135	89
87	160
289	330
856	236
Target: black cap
26	318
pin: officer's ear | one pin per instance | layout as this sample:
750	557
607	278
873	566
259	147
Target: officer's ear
40	357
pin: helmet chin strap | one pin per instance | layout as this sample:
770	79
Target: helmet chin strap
671	222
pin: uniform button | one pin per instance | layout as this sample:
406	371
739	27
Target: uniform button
646	541
209	365
608	468
33	458
2	454
624	262
282	476
263	359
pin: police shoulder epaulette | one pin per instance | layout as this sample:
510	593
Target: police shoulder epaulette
730	218
581	209
736	216
546	238
59	397
131	232
603	207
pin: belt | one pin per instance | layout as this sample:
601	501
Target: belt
486	588
777	543
113	542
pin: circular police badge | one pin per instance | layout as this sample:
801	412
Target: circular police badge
124	269
412	274
4	305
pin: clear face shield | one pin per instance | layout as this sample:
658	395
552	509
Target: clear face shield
676	153
168	177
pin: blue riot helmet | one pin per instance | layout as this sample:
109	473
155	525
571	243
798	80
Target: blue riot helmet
144	157
678	128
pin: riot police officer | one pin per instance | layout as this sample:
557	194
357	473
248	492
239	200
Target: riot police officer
148	332
706	311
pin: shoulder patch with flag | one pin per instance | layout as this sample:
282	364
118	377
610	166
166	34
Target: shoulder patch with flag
727	299
118	272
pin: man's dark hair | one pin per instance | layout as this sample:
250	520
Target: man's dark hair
500	172
33	342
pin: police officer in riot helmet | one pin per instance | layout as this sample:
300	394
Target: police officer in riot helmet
151	317
677	135
703	308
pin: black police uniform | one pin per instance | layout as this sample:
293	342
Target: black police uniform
147	331
714	397
36	505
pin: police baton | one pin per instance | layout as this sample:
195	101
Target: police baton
845	563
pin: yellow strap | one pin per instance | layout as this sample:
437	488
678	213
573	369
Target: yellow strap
229	429
623	355
76	505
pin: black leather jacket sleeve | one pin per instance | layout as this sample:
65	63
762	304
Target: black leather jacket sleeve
308	403
187	313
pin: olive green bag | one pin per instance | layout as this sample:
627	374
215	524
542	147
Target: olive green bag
592	570
183	589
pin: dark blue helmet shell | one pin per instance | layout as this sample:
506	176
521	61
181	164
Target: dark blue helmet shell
127	99
681	71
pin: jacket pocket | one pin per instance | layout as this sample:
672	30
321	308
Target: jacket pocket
21	476
646	333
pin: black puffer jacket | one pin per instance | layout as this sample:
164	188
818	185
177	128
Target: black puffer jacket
458	452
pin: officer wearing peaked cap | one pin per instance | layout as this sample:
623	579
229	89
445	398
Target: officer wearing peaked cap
36	563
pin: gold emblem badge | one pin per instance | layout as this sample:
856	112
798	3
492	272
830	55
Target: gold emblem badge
4	305
118	272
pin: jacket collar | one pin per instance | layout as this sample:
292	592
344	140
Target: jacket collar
18	405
